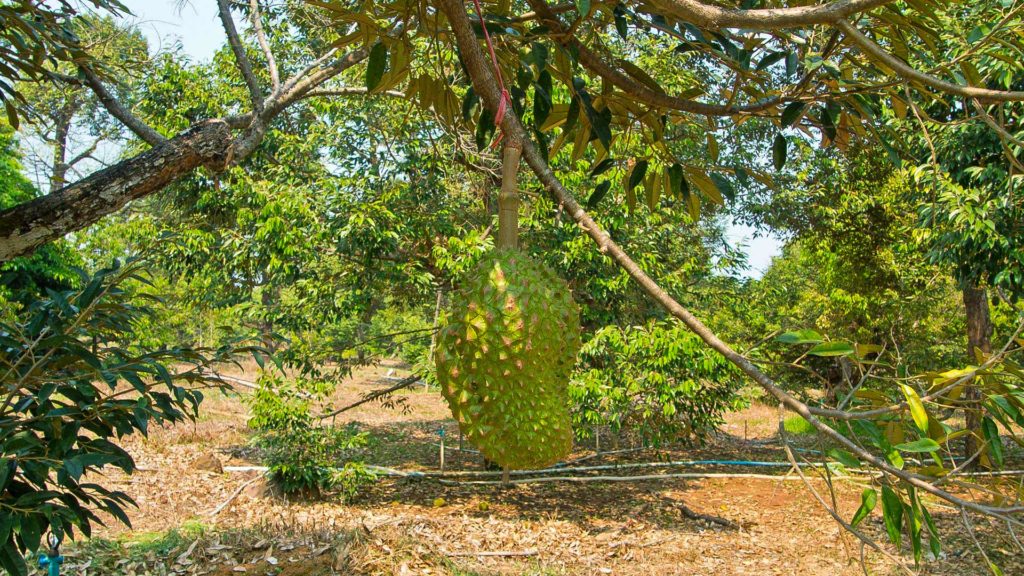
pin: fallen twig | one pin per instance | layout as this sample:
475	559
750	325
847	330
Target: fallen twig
530	552
231	498
403	383
688	513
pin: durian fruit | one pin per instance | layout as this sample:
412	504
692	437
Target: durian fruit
504	360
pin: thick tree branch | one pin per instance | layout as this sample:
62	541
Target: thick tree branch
714	17
241	58
28	225
117	110
908	72
486	87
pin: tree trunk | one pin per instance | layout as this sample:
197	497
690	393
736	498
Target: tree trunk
26	226
979	338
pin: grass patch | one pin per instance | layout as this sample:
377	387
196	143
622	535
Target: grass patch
140	546
797	426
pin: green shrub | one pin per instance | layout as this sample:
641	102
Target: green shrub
72	383
308	460
278	404
659	379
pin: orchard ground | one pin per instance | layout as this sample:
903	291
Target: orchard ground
194	521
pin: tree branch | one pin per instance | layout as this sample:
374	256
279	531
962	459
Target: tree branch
351	91
633	87
241	58
709	16
261	37
30	224
910	73
117	110
486	87
403	383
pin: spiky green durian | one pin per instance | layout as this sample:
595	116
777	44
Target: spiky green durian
504	360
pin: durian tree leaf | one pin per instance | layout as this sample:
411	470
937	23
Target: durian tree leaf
922	445
779	152
376	65
636	175
676	181
868	500
792	113
917	410
892	513
599	192
724	186
829	349
806	336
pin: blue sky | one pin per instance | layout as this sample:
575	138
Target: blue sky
195	25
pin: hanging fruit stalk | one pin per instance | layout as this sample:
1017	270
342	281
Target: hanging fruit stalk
508	199
510	343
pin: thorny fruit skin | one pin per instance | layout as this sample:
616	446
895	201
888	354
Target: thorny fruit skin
504	360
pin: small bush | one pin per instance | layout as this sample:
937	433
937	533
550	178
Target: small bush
277	405
659	380
308	460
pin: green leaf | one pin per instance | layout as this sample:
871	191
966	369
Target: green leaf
602	167
724	186
572	116
769	59
583	7
919	446
621	25
376	64
468	103
779	152
792	113
995	445
676	180
805	336
917	410
829	349
12	114
792	63
892	513
11	559
74	468
599	193
636	176
843	457
868	499
934	543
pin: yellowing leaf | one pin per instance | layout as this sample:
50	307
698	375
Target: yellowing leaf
917	411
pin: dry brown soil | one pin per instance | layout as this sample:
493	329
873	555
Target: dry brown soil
412	526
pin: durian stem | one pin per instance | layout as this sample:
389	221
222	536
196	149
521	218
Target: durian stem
508	199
